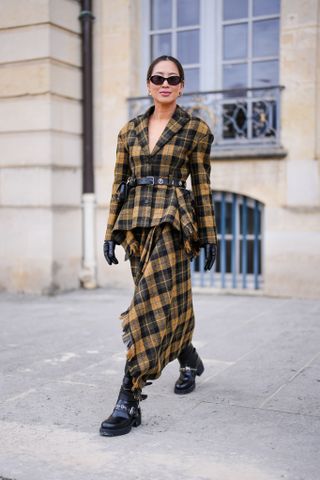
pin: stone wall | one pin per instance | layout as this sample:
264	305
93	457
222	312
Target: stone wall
292	256
116	25
40	145
289	187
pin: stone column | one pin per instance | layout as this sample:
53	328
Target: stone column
40	145
292	227
116	50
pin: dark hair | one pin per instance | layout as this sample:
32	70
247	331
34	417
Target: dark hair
160	59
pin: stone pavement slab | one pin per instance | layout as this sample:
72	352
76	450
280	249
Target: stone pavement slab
255	414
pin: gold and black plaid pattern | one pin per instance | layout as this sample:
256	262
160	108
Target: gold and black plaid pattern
183	149
160	227
159	322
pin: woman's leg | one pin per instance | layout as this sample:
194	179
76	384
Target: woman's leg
159	322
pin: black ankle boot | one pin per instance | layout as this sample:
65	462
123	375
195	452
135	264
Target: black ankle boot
190	366
126	413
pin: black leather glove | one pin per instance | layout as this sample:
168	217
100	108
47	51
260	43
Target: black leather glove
210	251
108	250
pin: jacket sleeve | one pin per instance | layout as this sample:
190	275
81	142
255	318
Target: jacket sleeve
122	172
200	179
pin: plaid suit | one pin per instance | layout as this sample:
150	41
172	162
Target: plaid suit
182	149
160	227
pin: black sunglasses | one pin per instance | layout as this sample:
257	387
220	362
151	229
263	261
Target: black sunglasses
159	79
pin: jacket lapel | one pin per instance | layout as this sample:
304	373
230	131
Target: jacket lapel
176	122
141	129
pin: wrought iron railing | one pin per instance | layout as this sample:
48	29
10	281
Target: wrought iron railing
238	118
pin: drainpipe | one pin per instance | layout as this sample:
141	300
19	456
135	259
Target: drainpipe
88	267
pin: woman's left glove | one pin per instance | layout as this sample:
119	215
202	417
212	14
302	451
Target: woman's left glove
210	252
108	250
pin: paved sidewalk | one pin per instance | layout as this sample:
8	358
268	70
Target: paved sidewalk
255	414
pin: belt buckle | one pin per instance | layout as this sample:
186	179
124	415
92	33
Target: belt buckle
149	176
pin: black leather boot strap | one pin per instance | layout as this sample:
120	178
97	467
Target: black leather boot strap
126	408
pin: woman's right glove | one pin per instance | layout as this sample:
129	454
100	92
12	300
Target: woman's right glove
108	250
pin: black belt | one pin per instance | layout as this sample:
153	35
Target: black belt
151	180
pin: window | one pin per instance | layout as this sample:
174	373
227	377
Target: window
228	45
238	263
250	51
175	30
222	44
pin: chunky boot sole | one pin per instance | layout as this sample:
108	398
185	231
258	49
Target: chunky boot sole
187	390
200	370
115	432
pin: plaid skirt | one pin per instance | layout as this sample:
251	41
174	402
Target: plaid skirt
159	321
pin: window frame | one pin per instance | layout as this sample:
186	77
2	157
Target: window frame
208	69
235	277
249	60
211	62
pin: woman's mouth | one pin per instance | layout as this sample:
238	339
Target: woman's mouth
165	94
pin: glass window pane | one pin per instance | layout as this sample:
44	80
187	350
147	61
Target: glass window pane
235	41
265	74
161	14
188	12
192	80
235	76
218	211
228	256
228	219
250	249
188	46
266	7
160	45
265	38
250	220
233	9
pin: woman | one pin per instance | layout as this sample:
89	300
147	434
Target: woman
161	225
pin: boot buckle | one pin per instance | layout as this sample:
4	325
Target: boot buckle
187	369
132	411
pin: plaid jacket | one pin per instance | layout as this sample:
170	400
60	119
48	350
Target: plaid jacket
182	149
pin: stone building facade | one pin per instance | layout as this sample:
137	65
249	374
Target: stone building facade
41	138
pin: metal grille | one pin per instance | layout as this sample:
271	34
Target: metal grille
238	118
239	260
